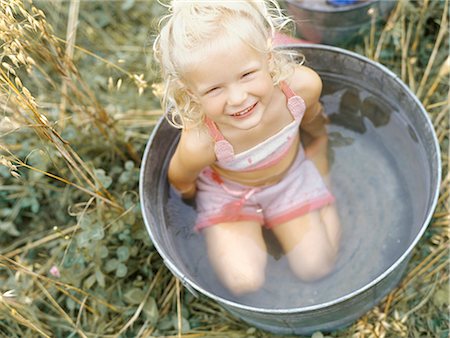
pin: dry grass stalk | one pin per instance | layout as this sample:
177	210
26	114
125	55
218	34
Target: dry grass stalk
419	29
22	97
216	322
156	280
27	271
443	74
178	292
24	319
40	242
441	121
59	309
70	38
442	32
135	315
96	194
393	17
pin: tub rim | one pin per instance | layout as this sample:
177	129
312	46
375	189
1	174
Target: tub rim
333	10
189	284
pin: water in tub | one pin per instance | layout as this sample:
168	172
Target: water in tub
376	161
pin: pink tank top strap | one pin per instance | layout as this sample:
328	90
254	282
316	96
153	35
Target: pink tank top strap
223	149
213	130
295	103
288	92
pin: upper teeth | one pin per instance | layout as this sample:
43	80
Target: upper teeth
243	112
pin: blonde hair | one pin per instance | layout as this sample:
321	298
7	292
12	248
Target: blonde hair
193	26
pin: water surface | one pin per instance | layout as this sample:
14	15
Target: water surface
377	166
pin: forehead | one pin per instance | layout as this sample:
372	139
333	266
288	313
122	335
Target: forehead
218	62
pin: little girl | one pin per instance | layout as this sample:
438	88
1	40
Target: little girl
241	105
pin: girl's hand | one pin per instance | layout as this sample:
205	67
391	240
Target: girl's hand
189	192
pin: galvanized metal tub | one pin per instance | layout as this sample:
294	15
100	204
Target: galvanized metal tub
333	64
319	22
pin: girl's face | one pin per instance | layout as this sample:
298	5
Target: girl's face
233	86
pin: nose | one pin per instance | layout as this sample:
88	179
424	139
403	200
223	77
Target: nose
237	95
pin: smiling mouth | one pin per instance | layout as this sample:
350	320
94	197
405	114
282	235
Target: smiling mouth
245	112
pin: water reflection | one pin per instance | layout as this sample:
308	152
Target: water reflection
353	110
377	114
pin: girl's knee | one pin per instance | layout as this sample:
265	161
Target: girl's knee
313	266
238	255
244	279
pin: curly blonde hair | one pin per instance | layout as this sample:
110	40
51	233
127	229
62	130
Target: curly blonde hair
193	27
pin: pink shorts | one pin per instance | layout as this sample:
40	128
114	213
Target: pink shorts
300	191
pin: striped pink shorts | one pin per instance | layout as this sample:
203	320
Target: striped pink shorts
301	191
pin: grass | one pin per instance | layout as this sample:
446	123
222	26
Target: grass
77	110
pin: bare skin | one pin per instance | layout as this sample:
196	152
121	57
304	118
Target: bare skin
237	249
248	249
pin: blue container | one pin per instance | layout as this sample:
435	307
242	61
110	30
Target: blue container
342	2
335	24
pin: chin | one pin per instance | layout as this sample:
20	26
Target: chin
249	122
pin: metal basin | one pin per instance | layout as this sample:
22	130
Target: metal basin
385	170
319	22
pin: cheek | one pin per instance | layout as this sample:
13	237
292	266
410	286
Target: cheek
211	107
266	86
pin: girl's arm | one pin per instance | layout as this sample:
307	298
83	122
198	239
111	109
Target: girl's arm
194	152
307	84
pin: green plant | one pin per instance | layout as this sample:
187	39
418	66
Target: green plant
75	259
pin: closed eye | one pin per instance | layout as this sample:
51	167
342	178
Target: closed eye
212	91
250	75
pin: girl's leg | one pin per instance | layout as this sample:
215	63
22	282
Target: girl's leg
238	254
311	242
330	218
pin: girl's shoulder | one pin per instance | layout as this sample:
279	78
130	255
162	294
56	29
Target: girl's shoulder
306	83
196	141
